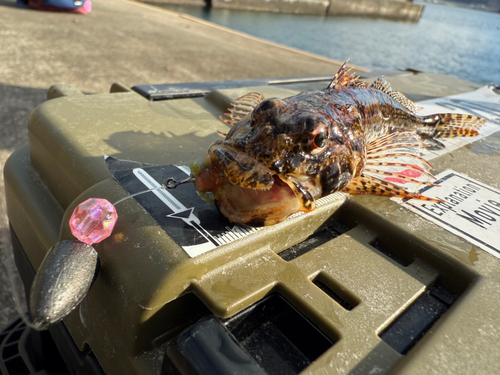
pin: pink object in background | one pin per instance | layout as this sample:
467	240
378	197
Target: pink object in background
87	6
93	220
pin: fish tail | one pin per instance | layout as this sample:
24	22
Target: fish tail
449	125
456	125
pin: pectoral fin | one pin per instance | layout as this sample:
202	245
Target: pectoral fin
242	107
371	185
393	168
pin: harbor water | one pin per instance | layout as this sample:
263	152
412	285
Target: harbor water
456	41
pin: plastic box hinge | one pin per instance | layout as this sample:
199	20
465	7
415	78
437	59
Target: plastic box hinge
62	89
118	87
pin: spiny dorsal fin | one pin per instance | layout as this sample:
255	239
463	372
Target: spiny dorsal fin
344	79
242	107
405	102
382	85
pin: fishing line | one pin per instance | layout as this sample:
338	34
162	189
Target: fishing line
170	183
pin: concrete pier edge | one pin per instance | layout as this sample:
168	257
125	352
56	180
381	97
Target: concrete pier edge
401	10
239	33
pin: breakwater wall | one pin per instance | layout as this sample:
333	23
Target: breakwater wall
391	9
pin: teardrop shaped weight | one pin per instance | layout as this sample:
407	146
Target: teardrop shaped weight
62	282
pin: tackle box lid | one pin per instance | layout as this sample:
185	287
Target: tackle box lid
357	286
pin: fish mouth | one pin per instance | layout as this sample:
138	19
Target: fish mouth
257	207
249	205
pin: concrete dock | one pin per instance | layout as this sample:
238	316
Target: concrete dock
402	10
119	41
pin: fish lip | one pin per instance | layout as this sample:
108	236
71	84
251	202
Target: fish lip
288	182
257	206
276	177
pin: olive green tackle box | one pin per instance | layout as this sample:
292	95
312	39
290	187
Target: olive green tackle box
361	285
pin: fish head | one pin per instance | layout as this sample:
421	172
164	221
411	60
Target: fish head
277	161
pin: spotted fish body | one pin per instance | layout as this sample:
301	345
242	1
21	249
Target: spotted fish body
283	154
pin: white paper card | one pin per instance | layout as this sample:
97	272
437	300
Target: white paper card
471	209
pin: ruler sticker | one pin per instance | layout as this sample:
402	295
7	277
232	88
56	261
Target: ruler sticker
195	225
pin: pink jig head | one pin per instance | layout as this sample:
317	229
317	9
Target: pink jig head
93	220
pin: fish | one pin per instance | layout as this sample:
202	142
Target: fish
281	155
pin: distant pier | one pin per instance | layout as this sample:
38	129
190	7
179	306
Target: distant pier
404	10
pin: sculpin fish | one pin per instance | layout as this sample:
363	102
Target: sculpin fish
283	154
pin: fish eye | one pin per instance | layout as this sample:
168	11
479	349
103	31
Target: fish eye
320	139
319	142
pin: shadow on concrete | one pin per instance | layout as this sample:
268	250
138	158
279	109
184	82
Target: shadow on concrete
7	3
16	104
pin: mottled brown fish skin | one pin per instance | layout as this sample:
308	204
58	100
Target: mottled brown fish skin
312	144
279	134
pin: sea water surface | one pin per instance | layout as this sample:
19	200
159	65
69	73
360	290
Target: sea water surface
456	41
